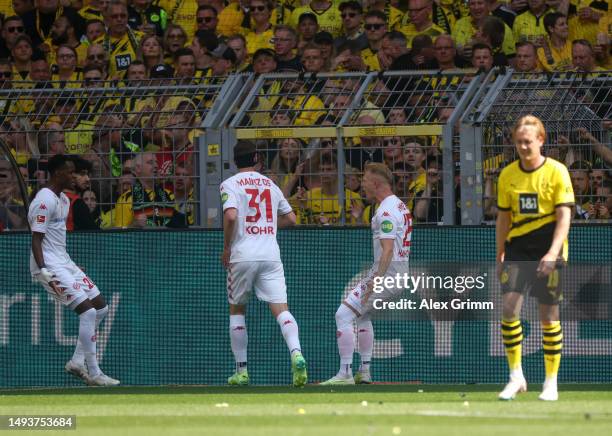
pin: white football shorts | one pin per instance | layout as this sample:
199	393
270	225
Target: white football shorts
266	277
77	286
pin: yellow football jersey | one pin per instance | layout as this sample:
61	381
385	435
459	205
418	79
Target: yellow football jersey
533	196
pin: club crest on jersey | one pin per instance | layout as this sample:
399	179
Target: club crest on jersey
224	197
40	219
42	207
76	286
385	213
386	226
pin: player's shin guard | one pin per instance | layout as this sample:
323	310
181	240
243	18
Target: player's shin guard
239	340
512	334
345	335
289	329
365	339
87	338
79	356
552	342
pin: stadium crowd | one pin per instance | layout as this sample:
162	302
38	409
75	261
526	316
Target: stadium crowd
135	151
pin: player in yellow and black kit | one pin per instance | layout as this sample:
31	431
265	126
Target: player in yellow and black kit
534	204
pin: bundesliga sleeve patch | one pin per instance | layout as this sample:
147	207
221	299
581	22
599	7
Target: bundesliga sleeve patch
40	219
224	197
386	226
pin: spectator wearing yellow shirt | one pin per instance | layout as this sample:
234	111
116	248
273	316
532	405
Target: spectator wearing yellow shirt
182	13
147	204
529	26
526	59
465	30
420	13
604	38
231	17
583	58
93	11
556	51
63	33
94	29
585	24
68	74
393	16
175	38
375	28
120	42
321	205
327	12
261	36
238	44
22	56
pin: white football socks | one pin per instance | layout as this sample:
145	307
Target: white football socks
239	340
365	338
87	337
289	329
79	356
345	336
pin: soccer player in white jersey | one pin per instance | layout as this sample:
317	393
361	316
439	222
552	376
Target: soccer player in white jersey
253	206
391	233
52	267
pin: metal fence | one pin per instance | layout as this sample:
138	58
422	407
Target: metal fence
575	108
159	149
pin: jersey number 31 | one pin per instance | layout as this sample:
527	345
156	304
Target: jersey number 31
257	198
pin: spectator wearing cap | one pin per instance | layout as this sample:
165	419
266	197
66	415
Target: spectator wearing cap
238	44
307	28
328	15
93	10
224	61
263	31
264	61
420	23
351	13
285	43
375	28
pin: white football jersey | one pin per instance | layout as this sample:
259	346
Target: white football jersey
258	202
392	220
47	214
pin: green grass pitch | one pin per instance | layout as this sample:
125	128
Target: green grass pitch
316	410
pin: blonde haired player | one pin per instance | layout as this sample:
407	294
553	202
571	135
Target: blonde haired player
534	200
391	234
252	207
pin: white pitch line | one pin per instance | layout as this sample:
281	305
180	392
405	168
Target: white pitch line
452	413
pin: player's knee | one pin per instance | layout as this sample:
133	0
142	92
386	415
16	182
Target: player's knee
344	317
